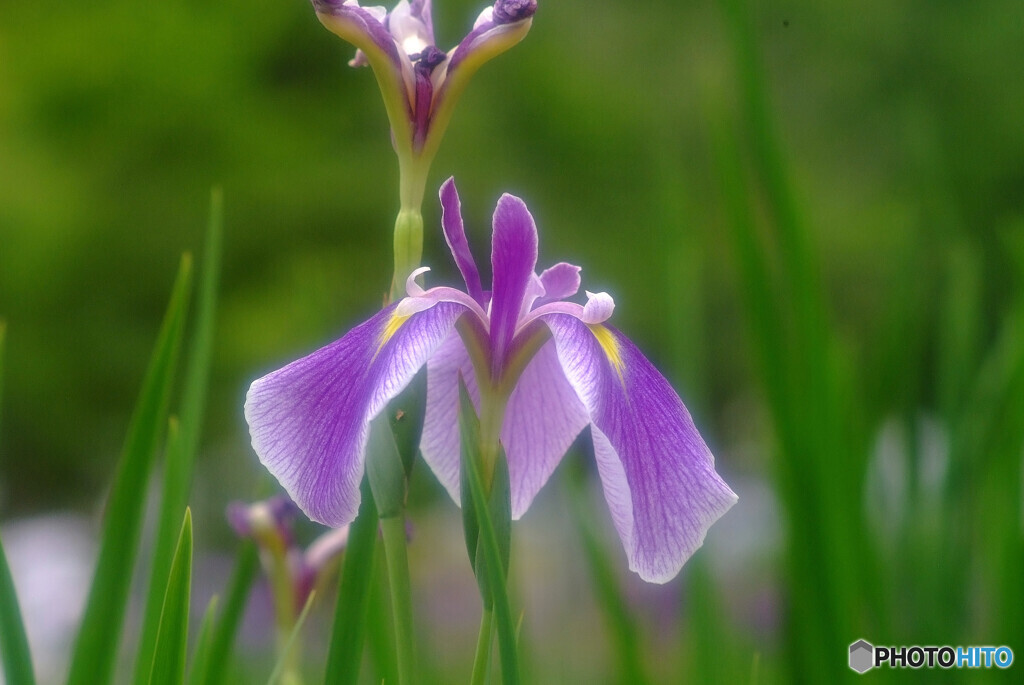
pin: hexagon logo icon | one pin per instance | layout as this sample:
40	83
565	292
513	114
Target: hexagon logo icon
862	656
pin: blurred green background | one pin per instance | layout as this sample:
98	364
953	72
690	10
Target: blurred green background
811	216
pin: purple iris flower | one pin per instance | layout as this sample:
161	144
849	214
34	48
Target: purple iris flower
555	368
420	82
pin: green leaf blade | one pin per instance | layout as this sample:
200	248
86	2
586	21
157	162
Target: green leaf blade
494	586
17	659
204	642
95	650
344	656
246	566
168	666
180	457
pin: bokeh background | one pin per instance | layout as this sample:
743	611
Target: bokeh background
811	216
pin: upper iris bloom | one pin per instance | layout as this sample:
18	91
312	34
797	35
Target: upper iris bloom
419	82
540	369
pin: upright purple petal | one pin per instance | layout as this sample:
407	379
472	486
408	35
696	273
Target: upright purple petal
309	421
406	23
513	258
421	10
560	281
455	236
658	474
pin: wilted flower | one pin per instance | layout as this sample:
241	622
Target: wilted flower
547	369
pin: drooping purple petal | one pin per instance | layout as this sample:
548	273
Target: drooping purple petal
455	236
560	281
658	474
358	25
309	421
513	258
542	419
440	442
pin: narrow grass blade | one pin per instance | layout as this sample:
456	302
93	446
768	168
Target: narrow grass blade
345	654
204	642
179	459
17	660
3	335
212	671
469	430
168	666
96	647
625	631
289	646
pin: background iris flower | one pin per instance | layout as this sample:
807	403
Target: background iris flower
541	370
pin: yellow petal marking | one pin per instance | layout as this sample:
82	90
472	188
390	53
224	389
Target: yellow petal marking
606	339
394	323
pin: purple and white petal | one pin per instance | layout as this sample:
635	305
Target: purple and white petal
455	236
406	24
361	26
309	421
440	442
496	29
658	474
542	419
560	281
420	300
513	258
598	309
421	10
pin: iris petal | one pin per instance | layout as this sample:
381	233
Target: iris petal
658	474
309	421
542	418
513	258
455	236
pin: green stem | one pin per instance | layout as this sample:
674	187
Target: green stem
393	533
482	662
284	603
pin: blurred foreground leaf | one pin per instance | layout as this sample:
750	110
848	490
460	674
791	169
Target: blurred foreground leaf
168	666
95	649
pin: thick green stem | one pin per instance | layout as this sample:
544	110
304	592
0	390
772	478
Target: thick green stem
482	661
393	533
492	414
408	248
